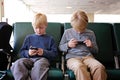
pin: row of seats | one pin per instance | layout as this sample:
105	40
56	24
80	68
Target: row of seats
108	40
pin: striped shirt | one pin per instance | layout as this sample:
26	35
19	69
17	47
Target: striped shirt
81	49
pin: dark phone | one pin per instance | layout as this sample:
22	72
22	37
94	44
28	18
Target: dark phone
33	48
80	42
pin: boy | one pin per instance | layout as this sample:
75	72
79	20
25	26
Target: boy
79	43
37	51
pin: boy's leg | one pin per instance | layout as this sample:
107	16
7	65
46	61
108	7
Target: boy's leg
79	69
40	69
20	69
96	68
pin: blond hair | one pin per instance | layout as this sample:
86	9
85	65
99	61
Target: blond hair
79	20
39	19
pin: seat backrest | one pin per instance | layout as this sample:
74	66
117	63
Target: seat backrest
21	29
116	28
103	32
56	30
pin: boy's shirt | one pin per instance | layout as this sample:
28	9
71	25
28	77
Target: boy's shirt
45	42
81	49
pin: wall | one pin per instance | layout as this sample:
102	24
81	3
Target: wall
1	9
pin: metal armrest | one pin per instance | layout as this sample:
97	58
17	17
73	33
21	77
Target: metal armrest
63	62
116	62
3	73
116	58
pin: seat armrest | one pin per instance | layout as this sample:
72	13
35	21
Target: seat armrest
116	59
2	74
63	62
116	62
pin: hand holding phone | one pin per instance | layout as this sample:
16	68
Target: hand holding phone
33	48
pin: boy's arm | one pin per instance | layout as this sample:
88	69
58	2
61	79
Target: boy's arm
94	48
24	49
63	46
52	52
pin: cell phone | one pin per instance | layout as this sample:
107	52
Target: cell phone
33	48
80	42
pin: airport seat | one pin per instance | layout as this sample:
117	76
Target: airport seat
21	29
116	30
104	38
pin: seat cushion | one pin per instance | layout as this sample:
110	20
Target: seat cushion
55	74
70	74
113	74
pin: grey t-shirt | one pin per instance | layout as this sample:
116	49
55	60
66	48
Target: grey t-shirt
81	49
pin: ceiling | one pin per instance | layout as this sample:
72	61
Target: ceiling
68	6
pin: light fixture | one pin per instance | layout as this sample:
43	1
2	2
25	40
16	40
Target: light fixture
68	7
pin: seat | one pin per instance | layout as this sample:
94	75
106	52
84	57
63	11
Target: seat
5	48
103	32
20	30
116	30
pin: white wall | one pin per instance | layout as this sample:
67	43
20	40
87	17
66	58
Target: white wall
110	18
15	10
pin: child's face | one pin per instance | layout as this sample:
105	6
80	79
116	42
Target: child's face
40	30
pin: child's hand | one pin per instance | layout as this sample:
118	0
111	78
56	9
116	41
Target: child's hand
40	51
32	52
72	43
88	43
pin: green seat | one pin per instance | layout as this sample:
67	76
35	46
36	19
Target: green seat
104	41
21	29
103	32
116	28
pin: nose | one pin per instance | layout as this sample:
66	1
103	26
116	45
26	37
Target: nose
38	31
